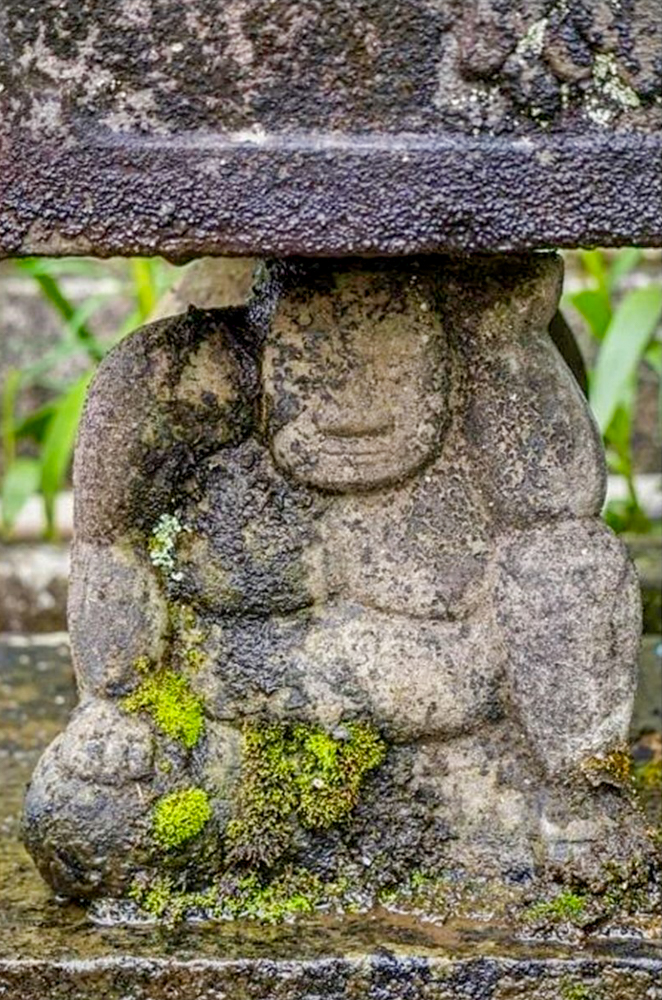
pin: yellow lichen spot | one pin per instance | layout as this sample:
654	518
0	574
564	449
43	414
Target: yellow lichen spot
612	768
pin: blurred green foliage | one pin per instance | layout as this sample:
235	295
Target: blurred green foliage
622	321
51	428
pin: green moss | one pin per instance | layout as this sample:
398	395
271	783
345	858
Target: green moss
162	899
168	699
566	907
297	774
293	892
576	991
419	880
629	887
155	897
180	816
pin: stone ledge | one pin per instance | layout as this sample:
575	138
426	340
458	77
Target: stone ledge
379	976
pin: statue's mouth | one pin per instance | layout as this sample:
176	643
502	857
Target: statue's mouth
358	447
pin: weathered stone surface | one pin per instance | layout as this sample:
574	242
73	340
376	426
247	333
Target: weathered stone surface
334	128
53	950
340	577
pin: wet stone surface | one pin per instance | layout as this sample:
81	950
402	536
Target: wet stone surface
54	950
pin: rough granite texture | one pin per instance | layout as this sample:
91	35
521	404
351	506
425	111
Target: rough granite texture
343	127
364	508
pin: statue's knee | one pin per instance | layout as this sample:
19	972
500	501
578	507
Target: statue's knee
574	569
92	807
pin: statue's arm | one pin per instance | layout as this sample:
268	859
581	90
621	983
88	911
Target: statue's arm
535	448
566	595
164	398
568	609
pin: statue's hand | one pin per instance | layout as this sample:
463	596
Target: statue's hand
102	744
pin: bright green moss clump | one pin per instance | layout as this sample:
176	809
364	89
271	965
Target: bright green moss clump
567	906
297	774
179	816
576	991
293	892
168	699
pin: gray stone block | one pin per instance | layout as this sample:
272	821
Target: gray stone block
328	129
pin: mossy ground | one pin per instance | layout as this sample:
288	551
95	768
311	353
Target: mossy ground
292	777
293	892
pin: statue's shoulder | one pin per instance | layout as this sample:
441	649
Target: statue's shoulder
165	398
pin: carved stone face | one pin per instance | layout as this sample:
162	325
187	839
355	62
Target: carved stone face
355	385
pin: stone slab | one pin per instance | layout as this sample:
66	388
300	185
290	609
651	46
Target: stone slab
328	129
53	950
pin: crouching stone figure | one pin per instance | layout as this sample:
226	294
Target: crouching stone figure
359	516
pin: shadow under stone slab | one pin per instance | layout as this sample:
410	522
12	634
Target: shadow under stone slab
55	951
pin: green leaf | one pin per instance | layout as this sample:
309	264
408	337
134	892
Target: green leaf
19	483
35	424
10	389
144	285
595	263
624	262
594	305
617	436
624	345
59	443
653	357
53	293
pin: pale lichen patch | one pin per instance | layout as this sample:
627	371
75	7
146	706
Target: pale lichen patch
533	42
163	543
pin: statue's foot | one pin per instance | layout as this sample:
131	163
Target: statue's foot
87	807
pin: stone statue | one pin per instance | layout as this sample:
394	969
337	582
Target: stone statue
341	596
